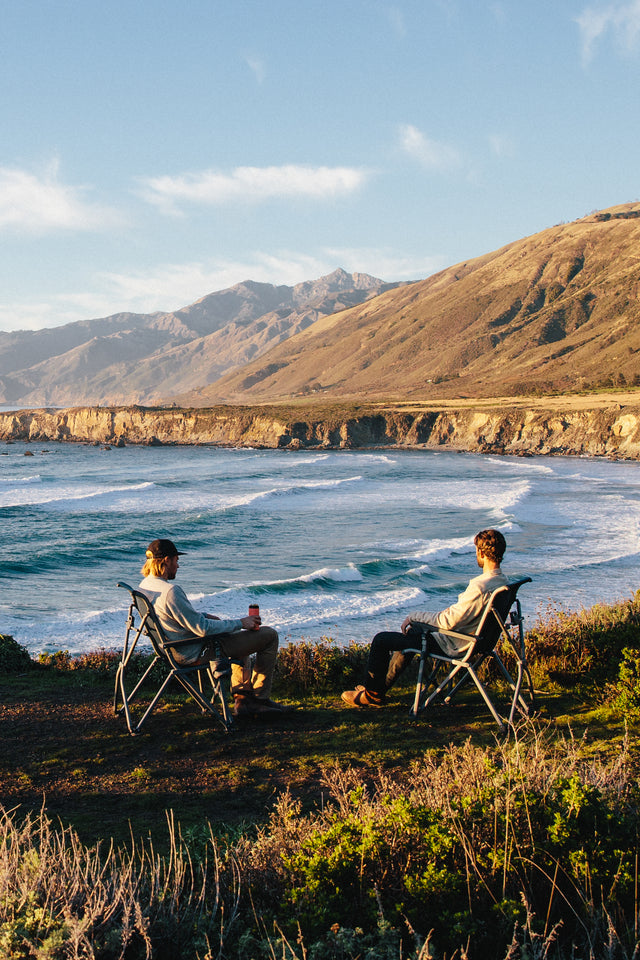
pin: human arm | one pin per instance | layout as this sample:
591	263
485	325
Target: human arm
177	614
462	616
248	623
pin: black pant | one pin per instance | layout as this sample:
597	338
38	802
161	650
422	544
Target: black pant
383	669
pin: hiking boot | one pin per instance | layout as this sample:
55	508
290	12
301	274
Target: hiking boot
246	705
361	697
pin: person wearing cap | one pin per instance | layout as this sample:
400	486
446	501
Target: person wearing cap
239	638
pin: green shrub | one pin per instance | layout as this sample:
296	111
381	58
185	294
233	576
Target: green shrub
524	841
585	645
14	658
626	693
319	666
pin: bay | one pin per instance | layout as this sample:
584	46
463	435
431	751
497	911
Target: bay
330	543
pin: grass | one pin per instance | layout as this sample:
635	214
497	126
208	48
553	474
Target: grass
513	826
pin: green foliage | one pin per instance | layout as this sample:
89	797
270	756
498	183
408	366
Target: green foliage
320	666
14	658
100	663
465	846
626	693
585	645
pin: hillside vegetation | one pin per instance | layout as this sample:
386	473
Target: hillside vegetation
328	834
556	311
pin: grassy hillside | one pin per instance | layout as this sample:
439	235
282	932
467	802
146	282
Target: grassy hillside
329	834
555	311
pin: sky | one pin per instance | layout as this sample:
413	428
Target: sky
155	151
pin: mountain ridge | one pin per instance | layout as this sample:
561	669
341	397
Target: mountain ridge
136	358
558	310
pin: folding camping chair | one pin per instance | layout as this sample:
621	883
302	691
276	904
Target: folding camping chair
501	620
143	621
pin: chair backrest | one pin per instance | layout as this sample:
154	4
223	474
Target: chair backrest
494	618
149	623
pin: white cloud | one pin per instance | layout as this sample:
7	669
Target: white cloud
430	153
170	286
396	19
502	146
621	19
257	67
253	184
41	204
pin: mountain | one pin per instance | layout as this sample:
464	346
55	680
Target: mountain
558	310
146	358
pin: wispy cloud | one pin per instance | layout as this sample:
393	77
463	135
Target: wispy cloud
40	203
395	16
253	185
622	20
257	67
432	154
169	286
501	146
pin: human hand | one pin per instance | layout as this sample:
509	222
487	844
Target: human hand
250	623
406	623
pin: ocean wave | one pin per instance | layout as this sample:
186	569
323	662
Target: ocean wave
520	464
66	500
14	481
299	488
348	574
495	495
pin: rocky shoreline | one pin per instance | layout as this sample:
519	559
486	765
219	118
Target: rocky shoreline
608	431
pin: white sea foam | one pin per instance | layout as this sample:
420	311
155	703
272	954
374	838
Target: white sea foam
21	481
398	536
339	575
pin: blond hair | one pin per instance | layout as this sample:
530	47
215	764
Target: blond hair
154	567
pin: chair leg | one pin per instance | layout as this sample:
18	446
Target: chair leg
415	710
120	694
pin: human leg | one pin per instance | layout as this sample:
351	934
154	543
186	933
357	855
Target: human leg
251	689
382	669
381	673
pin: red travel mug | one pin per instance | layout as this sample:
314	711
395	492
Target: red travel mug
254	611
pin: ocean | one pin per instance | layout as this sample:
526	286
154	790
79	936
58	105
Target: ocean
335	544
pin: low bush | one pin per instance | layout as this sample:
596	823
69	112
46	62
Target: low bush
625	694
585	645
484	848
14	658
99	663
60	899
320	666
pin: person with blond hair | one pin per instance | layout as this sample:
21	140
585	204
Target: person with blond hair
386	657
238	639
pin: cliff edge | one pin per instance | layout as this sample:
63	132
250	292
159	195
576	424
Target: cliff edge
609	430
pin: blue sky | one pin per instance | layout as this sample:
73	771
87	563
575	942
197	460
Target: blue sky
153	152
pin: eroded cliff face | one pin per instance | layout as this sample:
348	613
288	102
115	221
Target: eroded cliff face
612	431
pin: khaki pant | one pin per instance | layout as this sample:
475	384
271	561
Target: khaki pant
241	646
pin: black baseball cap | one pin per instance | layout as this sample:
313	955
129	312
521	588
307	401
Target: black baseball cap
158	549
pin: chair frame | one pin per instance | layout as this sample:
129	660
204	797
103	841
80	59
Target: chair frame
502	619
217	671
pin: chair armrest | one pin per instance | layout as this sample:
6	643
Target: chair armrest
469	637
181	643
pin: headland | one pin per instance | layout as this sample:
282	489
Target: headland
603	425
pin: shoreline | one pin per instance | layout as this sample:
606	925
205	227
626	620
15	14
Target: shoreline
603	426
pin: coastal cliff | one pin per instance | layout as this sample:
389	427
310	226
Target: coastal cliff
612	430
